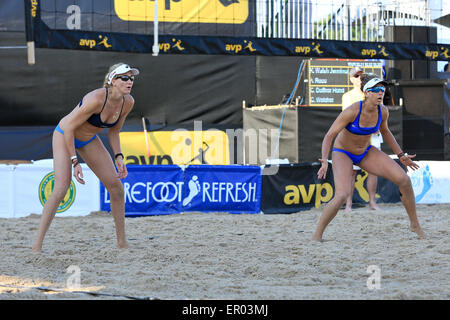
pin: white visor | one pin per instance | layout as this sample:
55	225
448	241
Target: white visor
372	83
123	68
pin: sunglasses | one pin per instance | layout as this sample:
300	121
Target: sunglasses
126	78
356	76
377	89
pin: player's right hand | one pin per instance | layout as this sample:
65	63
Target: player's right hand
78	174
322	173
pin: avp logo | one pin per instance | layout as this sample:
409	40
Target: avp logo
167	46
372	52
91	43
305	50
88	43
141	159
236	48
382	51
46	188
369	52
104	41
431	54
295	193
444	52
317	47
34	5
359	186
233	47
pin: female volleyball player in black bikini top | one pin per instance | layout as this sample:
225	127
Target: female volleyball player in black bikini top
352	145
106	107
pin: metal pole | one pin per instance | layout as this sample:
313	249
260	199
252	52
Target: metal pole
29	27
155	31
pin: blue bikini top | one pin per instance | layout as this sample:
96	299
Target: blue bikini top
354	127
96	119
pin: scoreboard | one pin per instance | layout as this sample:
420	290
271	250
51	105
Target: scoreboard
327	79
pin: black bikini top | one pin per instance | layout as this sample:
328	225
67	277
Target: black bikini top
96	119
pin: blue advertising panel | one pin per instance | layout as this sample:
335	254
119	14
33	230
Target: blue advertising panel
233	189
167	189
149	190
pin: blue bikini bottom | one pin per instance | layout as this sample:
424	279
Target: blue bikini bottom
78	143
355	158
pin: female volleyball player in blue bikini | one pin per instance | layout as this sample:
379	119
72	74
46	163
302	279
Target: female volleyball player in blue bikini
352	130
105	107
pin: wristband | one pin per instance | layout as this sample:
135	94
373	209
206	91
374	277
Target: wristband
401	154
75	163
118	154
73	158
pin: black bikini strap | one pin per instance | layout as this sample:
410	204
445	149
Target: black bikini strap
106	98
123	102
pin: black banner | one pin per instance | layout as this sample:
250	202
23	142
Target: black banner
243	46
295	188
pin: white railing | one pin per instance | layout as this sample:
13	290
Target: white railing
354	20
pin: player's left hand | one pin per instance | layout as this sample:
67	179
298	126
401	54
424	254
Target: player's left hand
407	162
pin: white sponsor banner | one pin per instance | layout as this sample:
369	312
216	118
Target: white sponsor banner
26	187
431	182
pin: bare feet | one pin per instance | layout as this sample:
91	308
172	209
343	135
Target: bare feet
374	206
36	248
418	230
123	246
317	237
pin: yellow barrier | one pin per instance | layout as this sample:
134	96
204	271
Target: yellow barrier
180	147
203	11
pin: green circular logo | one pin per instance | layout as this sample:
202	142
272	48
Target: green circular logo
46	188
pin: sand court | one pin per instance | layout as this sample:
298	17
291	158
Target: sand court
231	256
